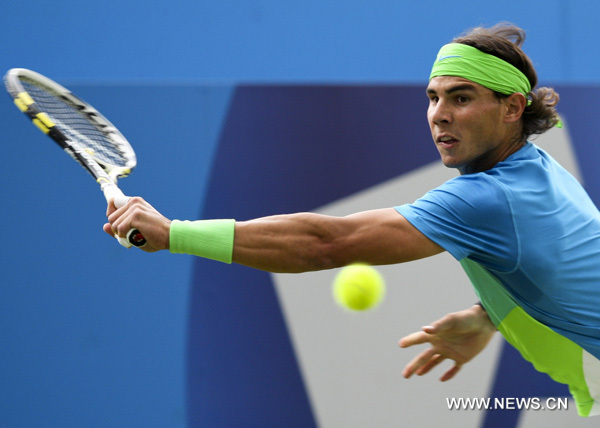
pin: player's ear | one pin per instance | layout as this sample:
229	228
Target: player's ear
515	104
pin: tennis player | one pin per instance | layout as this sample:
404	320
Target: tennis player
524	229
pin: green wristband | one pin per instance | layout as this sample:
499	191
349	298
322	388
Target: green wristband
211	239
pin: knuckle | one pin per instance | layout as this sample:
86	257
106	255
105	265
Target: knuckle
136	200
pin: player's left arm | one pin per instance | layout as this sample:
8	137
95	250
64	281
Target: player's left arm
296	242
308	241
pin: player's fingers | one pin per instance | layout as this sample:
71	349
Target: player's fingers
451	373
447	322
128	207
429	365
122	225
429	329
417	362
118	207
416	338
108	229
137	201
110	207
113	214
120	221
142	216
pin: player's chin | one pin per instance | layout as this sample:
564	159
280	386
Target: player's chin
451	162
446	158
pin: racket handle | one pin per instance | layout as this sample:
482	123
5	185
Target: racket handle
134	237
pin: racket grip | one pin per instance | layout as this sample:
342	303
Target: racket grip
134	237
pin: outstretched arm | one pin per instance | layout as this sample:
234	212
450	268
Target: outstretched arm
295	242
458	336
307	241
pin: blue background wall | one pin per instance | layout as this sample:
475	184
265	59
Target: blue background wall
96	336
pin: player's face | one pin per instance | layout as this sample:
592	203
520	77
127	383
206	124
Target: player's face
467	126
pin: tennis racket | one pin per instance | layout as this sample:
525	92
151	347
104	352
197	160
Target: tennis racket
77	127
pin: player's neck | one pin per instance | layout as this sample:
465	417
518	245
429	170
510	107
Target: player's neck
490	160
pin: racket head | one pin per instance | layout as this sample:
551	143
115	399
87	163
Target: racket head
73	123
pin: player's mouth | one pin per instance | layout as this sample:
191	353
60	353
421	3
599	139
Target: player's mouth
446	141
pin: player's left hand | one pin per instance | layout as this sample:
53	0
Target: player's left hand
139	214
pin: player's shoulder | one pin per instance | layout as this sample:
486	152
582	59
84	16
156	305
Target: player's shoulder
509	175
473	187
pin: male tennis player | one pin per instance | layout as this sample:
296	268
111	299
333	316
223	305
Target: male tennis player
522	227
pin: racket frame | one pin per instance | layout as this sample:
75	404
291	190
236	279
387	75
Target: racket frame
105	174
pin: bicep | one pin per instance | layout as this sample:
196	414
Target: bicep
384	236
307	241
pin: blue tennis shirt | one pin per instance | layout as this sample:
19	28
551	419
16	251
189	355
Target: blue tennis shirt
531	225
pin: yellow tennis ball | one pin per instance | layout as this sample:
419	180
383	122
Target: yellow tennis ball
358	287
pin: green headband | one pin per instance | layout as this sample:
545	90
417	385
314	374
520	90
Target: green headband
457	59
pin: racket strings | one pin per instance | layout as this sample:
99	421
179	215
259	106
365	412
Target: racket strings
74	123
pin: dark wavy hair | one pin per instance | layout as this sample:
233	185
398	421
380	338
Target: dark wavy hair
504	40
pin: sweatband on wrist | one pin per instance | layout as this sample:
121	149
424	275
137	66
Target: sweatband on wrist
211	239
460	60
